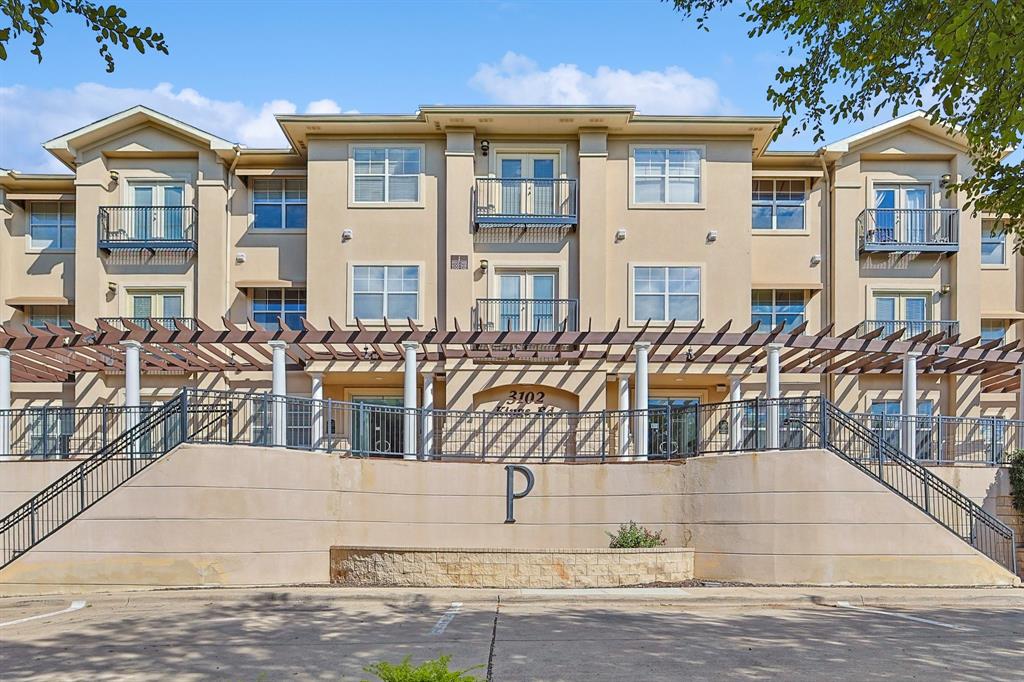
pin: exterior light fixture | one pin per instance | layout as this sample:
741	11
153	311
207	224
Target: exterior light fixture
485	146
816	259
713	236
112	287
484	264
114	176
620	234
945	180
240	257
346	235
945	289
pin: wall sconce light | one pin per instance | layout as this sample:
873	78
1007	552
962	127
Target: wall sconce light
114	176
816	259
945	180
112	287
720	388
484	264
945	289
240	257
712	236
620	234
485	146
346	235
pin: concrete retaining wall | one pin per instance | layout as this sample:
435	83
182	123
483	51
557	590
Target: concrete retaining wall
236	515
508	568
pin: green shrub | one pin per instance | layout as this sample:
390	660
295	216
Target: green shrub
632	536
429	671
1016	460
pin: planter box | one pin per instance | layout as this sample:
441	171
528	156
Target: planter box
508	568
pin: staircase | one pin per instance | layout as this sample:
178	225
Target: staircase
49	510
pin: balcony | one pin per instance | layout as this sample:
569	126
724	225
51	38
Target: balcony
525	202
911	327
147	322
528	314
909	230
147	228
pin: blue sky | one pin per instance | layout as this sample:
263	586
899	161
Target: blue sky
233	63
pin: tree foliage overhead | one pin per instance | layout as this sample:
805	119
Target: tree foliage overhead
962	62
32	17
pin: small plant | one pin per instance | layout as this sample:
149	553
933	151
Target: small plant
435	670
1016	462
632	536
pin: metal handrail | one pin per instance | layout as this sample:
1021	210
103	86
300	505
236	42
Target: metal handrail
147	323
147	227
525	201
941	439
528	314
910	327
909	229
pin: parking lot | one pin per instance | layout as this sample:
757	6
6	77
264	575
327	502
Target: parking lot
327	633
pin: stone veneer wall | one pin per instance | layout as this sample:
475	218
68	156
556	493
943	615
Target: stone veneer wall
508	568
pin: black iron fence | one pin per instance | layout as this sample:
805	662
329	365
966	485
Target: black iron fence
949	440
525	201
528	314
147	227
911	327
63	432
148	322
909	229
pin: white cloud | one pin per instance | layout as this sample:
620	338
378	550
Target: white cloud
30	115
517	79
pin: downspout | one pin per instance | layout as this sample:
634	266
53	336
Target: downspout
227	230
828	297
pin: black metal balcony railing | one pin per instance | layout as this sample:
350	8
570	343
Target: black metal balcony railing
528	314
522	202
147	322
147	227
909	229
911	327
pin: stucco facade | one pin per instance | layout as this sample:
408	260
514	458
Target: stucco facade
591	264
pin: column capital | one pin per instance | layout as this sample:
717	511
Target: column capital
912	354
277	343
6	353
411	345
131	343
775	346
642	345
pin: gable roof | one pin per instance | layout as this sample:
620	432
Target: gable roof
65	147
916	120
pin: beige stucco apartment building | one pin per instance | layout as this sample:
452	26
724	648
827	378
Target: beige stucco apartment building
521	218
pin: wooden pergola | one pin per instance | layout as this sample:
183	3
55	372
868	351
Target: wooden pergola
55	354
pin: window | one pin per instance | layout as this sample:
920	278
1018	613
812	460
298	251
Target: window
661	294
993	330
778	204
387	175
993	247
771	307
385	292
52	225
59	315
270	304
667	175
279	204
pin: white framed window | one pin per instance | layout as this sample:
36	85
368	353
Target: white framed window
166	304
385	174
270	304
771	307
993	330
778	204
59	315
993	246
385	292
51	225
667	175
664	293
279	204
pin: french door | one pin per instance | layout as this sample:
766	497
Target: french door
158	211
163	305
901	213
896	311
527	183
528	301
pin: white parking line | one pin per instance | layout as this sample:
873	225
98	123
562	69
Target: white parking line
904	616
446	617
75	605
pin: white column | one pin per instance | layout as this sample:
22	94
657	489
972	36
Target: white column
642	435
909	410
735	413
316	425
279	393
5	402
131	373
625	428
774	393
427	418
409	401
1020	409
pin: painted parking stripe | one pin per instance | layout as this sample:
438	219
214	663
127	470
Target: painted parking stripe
904	616
446	617
75	605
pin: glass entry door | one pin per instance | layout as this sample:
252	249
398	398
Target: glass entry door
527	301
900	213
158	211
164	305
672	427
527	183
378	427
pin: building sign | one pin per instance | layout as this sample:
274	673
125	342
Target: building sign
458	262
525	400
510	484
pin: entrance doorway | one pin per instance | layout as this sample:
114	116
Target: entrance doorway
378	426
672	426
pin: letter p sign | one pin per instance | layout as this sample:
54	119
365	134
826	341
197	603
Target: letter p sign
510	488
